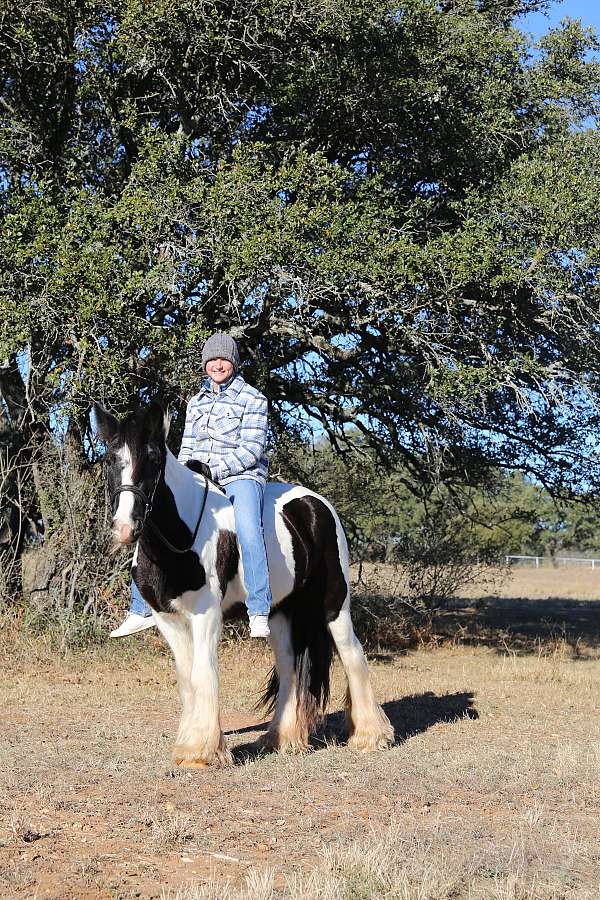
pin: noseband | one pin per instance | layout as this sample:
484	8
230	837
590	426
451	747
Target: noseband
148	500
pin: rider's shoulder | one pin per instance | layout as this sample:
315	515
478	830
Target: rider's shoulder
249	391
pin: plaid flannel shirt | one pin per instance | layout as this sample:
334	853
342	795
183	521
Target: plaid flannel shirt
227	429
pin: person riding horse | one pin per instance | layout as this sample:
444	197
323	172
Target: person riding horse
224	438
187	563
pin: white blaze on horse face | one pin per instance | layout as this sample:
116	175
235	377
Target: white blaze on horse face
123	524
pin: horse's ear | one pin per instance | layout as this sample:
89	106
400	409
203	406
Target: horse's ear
155	421
106	424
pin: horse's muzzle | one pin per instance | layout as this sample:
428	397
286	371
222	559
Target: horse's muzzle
124	533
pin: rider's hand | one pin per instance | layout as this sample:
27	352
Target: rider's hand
201	468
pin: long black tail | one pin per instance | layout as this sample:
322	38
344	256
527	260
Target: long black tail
319	592
313	651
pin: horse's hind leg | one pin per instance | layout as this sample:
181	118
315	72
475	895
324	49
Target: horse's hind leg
288	730
369	727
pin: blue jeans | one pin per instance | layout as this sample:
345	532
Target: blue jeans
247	496
138	605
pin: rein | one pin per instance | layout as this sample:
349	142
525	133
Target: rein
148	501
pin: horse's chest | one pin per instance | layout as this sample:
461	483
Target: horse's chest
162	576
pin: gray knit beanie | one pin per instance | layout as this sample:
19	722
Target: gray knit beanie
221	346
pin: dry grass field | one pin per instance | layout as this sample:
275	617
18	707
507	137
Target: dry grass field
491	791
574	582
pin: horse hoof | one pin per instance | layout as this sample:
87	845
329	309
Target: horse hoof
202	754
224	757
370	741
267	742
280	743
190	760
192	763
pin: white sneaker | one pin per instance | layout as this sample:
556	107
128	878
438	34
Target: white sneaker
132	624
259	626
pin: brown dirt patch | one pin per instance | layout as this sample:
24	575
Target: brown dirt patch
495	776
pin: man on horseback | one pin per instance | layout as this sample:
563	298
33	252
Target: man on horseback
224	438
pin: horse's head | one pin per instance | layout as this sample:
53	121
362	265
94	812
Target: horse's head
135	461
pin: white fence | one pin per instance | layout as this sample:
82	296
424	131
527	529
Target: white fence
555	560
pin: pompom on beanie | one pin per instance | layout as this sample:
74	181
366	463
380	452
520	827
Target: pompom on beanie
221	346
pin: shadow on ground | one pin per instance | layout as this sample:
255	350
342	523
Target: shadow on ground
522	625
409	716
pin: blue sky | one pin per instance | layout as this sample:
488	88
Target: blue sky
586	10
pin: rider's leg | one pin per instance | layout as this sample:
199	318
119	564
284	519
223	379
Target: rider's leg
138	618
247	496
138	605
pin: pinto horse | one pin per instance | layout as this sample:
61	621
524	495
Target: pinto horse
188	568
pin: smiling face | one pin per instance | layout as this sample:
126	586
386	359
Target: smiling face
219	370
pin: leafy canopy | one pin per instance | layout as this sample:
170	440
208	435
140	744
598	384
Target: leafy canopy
395	206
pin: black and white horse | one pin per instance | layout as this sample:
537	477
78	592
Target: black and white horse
187	566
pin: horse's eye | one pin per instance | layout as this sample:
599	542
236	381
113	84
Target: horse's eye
113	459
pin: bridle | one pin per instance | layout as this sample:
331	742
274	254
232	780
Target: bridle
148	500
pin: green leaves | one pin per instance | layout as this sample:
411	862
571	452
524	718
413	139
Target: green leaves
395	208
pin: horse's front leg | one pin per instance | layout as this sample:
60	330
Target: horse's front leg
200	741
177	631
